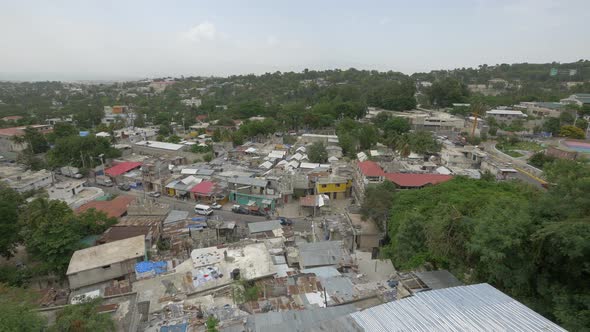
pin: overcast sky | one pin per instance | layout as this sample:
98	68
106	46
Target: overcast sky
120	39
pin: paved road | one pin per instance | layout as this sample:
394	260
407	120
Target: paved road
526	172
178	204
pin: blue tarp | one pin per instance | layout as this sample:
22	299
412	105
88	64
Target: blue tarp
174	328
198	225
84	133
157	267
199	219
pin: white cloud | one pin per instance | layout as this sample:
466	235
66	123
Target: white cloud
202	31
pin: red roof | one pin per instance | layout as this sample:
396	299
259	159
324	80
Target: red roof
201	117
114	208
416	180
12	118
203	188
14	131
123	167
370	168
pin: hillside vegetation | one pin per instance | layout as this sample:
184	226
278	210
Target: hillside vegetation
532	244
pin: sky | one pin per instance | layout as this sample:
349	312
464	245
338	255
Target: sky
128	39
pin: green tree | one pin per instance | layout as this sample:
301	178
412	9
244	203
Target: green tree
83	318
164	130
10	201
552	125
174	139
35	140
539	159
566	118
367	136
16	311
446	91
216	135
317	153
396	126
423	142
582	124
211	324
377	203
51	233
80	151
572	132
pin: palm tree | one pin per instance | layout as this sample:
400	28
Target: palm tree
403	146
18	139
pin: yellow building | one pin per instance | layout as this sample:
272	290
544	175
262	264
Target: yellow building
335	187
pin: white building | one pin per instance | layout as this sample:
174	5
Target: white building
74	193
105	262
505	115
25	181
196	102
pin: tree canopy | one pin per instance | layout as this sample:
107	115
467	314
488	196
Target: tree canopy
52	232
529	243
16	311
80	151
83	318
317	153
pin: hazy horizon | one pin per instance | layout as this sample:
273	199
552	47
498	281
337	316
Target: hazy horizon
111	40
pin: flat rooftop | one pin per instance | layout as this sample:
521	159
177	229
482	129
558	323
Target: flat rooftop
106	254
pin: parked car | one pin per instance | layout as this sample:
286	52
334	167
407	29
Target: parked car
258	213
286	221
216	206
125	187
202	209
240	210
154	194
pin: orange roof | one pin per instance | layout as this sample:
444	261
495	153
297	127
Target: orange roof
12	118
413	180
370	168
114	208
14	131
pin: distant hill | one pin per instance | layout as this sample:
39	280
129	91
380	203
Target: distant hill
532	72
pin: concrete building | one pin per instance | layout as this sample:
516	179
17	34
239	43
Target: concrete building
7	137
25	181
505	115
334	186
462	157
324	139
579	99
195	102
105	262
366	173
74	193
543	109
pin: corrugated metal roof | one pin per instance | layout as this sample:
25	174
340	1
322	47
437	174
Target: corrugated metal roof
264	226
438	279
175	215
248	181
296	320
478	307
320	253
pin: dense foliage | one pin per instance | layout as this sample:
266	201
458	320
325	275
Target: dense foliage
10	201
16	311
52	232
83	318
81	151
534	245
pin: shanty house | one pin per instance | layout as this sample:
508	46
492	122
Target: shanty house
105	262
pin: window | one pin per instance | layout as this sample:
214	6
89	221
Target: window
324	185
337	185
